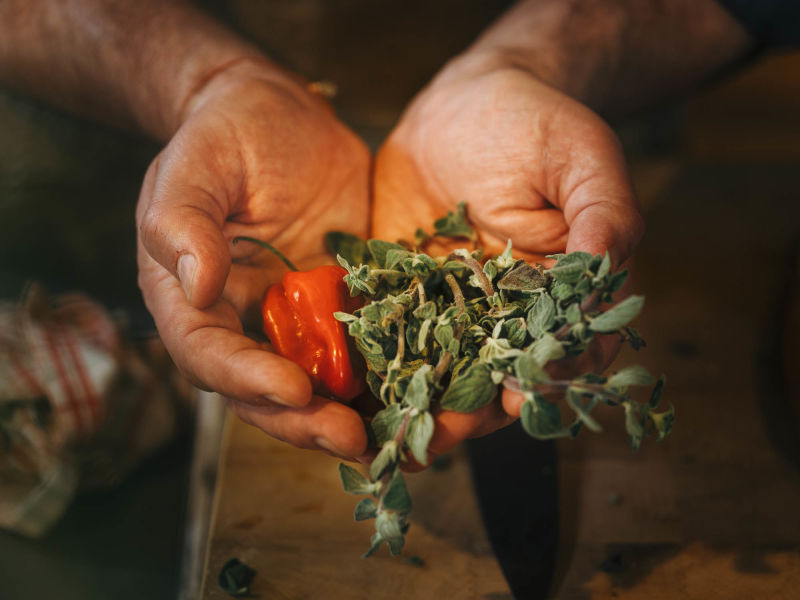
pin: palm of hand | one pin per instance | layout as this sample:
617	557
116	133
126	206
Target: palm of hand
272	169
528	160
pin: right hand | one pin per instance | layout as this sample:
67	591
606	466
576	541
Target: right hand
534	166
257	156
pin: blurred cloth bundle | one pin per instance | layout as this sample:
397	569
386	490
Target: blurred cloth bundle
80	404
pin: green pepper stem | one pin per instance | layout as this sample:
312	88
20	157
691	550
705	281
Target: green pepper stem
269	247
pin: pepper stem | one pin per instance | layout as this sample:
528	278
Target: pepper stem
269	247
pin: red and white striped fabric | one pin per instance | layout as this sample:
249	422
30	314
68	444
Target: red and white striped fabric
78	404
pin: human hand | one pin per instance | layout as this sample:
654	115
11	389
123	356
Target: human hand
532	164
256	156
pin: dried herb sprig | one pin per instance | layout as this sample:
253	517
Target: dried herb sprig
448	332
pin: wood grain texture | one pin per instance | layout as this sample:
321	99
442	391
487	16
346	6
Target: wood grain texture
282	511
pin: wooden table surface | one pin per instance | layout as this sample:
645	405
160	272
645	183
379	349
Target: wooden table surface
712	512
282	511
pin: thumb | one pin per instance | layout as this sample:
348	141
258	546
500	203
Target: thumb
601	210
180	227
606	225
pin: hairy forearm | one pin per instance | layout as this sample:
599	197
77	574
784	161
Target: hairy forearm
614	55
133	63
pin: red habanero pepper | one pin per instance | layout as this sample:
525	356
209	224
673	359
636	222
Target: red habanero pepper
298	320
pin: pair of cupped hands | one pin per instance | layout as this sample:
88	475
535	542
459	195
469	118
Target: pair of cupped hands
258	155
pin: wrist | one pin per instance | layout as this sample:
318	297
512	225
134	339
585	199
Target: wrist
615	56
574	47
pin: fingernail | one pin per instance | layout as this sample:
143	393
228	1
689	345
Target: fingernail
186	268
326	444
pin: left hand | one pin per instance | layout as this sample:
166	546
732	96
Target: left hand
258	156
532	164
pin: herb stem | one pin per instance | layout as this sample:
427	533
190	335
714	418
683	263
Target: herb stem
421	291
458	295
388	474
398	359
401	341
444	361
476	268
442	366
562	385
588	304
387	272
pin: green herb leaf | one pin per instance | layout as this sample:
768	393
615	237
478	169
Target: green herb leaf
396	545
490	269
516	331
618	315
583	411
540	418
375	543
417	393
455	224
396	497
379	249
356	278
506	260
633	338
542	316
425	311
235	578
547	348
633	375
571	267
605	266
354	482
522	278
394	257
351	247
655	396
663	421
636	416
471	390
344	317
374	383
419	432
386	423
617	281
443	333
386	459
366	509
424	330
573	314
529	372
562	291
388	525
